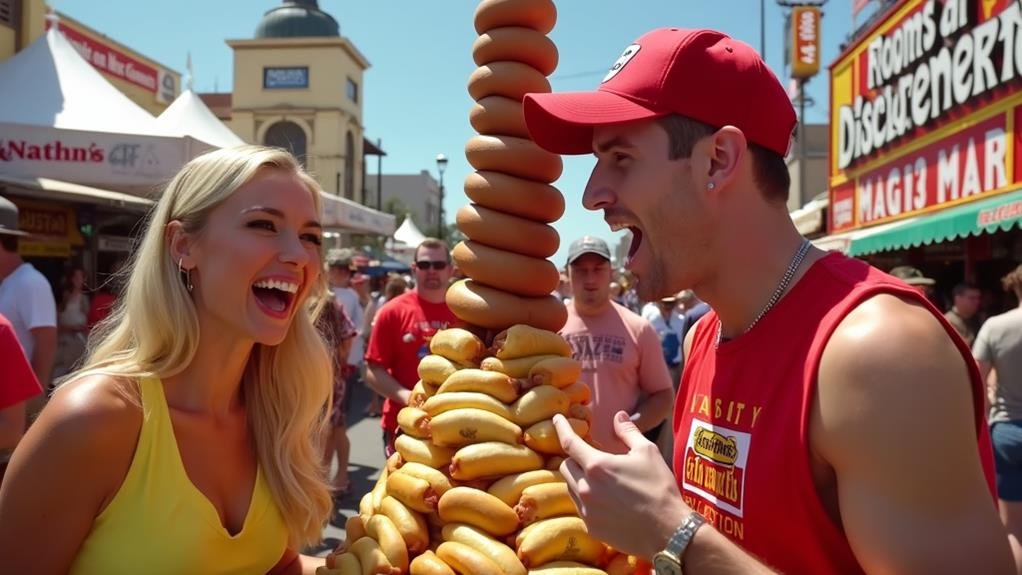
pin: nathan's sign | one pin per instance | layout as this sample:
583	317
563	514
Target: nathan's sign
922	110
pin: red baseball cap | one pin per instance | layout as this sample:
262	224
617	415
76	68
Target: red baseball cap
704	75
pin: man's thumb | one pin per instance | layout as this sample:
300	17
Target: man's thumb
627	431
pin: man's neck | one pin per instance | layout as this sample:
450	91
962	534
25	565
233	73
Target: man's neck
8	264
433	296
752	271
590	311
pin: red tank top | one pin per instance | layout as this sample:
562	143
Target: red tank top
741	420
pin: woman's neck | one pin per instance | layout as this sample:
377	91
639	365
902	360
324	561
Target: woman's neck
211	383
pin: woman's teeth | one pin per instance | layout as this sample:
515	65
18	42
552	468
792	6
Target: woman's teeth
284	286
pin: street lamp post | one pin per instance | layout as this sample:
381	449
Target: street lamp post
441	165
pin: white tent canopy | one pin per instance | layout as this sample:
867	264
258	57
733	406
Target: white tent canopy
50	84
346	215
189	115
59	118
408	233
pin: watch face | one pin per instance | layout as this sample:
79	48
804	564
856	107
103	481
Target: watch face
664	564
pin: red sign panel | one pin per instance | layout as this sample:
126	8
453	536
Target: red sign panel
111	60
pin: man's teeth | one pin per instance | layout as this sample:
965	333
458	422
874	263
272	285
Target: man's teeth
278	285
618	227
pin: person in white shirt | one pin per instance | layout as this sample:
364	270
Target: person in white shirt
26	298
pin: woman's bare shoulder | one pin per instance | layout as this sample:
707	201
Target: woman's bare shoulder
94	412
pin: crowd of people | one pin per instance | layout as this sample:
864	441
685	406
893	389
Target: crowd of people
812	415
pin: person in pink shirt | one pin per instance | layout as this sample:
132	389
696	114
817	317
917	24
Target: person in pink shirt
620	352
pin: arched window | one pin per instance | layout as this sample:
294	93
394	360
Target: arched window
349	166
287	135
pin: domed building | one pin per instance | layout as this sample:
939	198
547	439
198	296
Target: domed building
297	19
298	85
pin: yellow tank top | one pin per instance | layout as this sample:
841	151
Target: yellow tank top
159	522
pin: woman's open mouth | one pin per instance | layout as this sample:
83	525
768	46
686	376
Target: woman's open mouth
275	296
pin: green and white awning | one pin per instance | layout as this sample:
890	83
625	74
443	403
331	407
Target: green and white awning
999	213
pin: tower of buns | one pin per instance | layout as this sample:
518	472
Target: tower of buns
474	487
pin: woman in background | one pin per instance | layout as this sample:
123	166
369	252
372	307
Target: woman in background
338	333
72	322
189	441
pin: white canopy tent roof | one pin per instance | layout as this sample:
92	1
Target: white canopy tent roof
189	115
408	233
60	119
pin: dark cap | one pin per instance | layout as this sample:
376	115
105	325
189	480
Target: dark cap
912	276
588	245
9	218
703	75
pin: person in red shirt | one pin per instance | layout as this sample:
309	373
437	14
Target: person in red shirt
402	330
827	420
18	384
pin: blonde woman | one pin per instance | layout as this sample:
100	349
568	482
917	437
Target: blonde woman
188	443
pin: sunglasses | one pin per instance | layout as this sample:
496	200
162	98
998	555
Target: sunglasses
426	264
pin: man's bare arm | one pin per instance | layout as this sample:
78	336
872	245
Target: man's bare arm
385	384
653	410
12	425
893	417
44	352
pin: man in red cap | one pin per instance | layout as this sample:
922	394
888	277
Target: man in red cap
827	421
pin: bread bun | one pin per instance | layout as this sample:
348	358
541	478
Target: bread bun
496	309
517	196
507	232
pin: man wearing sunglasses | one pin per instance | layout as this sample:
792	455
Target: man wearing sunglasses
402	330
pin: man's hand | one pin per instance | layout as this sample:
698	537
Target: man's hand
630	501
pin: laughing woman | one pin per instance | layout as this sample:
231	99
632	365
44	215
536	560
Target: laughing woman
187	443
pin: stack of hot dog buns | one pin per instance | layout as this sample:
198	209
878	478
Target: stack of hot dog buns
507	225
474	487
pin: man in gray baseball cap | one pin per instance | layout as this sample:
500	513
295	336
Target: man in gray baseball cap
619	351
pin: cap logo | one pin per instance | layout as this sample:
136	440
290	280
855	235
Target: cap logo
622	61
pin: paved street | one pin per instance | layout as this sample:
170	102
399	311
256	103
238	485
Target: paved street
366	461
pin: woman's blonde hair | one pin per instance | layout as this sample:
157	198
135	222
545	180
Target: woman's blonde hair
154	330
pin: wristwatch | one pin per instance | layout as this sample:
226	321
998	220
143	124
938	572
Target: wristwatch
668	561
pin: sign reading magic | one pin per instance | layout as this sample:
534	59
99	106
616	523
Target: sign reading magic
922	110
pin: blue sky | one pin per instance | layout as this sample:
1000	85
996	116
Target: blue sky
414	93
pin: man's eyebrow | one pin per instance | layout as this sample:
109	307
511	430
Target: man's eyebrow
615	142
277	213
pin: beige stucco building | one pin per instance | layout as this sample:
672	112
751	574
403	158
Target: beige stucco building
298	85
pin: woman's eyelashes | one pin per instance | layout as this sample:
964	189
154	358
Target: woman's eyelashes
269	226
262	225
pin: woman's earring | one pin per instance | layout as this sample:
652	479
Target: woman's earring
186	273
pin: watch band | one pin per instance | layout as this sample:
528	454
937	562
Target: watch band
683	536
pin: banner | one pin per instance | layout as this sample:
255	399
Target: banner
93	158
924	111
805	41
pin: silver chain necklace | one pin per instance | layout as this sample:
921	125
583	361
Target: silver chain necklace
789	274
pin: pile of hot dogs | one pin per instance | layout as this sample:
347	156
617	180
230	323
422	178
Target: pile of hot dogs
474	487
